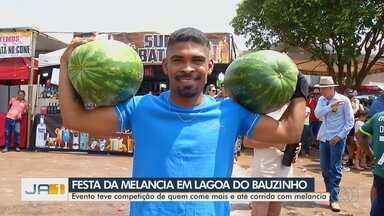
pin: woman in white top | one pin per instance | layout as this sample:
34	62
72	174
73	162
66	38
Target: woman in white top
267	162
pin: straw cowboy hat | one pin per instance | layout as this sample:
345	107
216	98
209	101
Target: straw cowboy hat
326	81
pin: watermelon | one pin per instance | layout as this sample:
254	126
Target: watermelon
262	81
105	72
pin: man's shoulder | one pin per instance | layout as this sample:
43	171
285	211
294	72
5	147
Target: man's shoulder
342	97
379	101
228	102
144	100
379	117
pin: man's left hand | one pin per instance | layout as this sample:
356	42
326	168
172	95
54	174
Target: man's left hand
301	87
334	140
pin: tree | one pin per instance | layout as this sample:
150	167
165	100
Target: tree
345	34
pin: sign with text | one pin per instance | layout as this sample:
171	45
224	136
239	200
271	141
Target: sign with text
151	46
15	44
171	189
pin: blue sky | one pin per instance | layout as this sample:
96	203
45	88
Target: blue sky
118	15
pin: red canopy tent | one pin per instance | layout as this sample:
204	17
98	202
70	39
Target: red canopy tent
15	71
19	46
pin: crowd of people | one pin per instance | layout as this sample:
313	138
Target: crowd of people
354	157
331	131
188	141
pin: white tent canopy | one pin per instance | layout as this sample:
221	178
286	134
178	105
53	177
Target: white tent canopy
51	59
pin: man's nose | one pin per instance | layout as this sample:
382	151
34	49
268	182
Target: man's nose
188	68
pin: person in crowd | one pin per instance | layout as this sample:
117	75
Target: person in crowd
267	162
360	161
211	90
221	94
355	102
192	135
305	137
374	128
18	107
314	122
378	104
336	113
351	145
376	107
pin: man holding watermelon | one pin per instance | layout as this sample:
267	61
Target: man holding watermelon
182	133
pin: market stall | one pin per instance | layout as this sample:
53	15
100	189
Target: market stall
48	132
14	71
18	47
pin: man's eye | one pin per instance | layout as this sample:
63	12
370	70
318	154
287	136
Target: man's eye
199	60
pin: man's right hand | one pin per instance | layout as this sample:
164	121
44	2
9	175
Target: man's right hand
74	43
336	104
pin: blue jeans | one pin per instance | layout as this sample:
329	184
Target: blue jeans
305	138
12	126
377	208
331	166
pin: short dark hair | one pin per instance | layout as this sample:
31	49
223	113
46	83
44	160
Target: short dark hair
21	91
188	34
363	112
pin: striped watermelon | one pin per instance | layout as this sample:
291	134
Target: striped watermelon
105	72
262	81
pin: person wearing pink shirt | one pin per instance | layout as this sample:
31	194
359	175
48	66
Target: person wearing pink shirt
18	106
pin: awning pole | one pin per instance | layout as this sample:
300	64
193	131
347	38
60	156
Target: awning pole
30	89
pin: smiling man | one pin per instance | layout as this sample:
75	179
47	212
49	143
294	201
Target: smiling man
182	132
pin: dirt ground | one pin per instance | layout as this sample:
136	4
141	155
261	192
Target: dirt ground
354	199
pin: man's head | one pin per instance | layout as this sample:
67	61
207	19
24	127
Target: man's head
316	93
327	86
20	95
211	90
362	115
350	94
188	62
327	92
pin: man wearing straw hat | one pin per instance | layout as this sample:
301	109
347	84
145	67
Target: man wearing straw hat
336	113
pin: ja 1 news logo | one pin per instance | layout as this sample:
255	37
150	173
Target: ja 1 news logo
44	189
